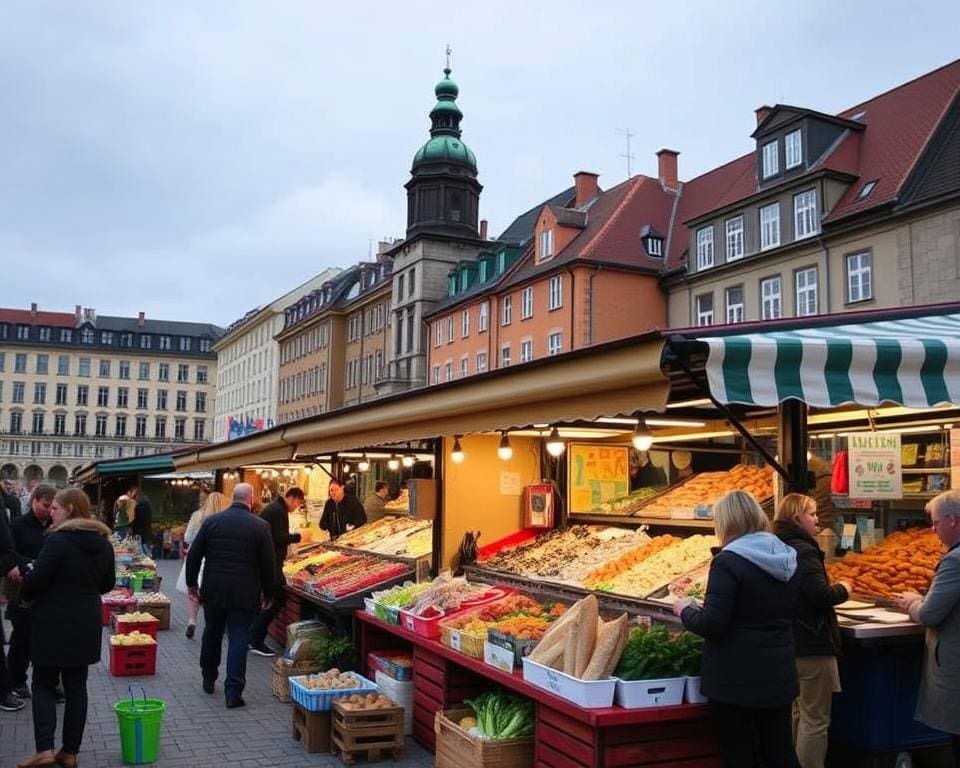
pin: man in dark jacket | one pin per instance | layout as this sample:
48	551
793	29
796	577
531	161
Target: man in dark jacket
9	500
238	572
341	513
277	516
9	569
142	518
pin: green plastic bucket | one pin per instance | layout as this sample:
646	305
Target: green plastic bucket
139	721
136	581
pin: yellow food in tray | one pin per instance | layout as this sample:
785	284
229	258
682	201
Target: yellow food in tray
707	487
663	567
902	562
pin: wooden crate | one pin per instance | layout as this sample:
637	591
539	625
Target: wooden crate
370	734
312	729
281	674
159	611
458	749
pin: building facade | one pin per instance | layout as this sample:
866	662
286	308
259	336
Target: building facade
75	388
248	365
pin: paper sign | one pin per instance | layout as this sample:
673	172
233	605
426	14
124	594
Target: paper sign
596	473
955	458
510	484
875	468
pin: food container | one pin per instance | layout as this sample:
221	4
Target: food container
397	665
111	609
428	625
692	693
456	748
589	694
637	694
519	648
321	700
133	660
126	627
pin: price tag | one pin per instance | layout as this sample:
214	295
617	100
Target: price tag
409	622
455	640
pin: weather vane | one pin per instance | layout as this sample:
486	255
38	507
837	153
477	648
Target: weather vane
449	51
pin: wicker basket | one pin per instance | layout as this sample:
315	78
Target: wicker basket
458	749
469	643
282	672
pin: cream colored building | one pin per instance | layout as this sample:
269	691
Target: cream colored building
76	388
248	363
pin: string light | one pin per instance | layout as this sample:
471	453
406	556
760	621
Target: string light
642	437
364	464
393	463
504	451
408	461
457	455
555	445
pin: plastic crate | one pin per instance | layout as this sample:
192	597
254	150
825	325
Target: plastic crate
109	610
133	660
397	665
320	701
128	627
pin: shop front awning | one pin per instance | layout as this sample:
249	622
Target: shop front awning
140	465
911	361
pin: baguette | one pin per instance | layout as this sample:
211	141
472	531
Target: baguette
618	651
586	635
556	634
570	654
554	658
608	647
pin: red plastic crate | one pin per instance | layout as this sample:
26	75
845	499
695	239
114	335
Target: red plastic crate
429	626
127	627
109	610
133	660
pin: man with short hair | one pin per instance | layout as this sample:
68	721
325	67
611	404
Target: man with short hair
277	516
341	513
939	612
375	503
26	492
9	500
142	524
238	572
9	568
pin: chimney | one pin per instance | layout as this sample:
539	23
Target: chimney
667	168
76	313
762	112
483	229
33	309
140	318
586	186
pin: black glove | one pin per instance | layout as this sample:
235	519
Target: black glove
295	538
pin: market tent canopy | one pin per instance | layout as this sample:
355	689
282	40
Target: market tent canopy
141	465
912	361
608	380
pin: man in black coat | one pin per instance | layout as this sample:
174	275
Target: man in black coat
342	512
9	569
238	573
9	500
276	514
142	519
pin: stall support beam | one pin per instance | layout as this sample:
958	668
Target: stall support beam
793	438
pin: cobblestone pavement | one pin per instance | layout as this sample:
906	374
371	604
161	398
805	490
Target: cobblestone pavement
198	731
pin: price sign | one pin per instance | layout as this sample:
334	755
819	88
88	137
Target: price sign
875	465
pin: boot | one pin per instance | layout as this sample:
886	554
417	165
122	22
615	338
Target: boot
39	759
65	760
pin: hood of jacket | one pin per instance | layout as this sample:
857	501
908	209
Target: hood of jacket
87	526
766	552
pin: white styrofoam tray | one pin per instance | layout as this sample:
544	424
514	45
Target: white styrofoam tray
637	694
692	693
589	694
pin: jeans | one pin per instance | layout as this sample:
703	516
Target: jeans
18	657
742	731
261	624
45	679
237	623
6	684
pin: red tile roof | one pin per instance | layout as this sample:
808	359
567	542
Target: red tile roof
25	317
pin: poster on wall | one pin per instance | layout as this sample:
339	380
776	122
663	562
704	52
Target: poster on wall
596	473
875	465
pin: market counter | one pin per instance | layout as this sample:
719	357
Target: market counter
567	736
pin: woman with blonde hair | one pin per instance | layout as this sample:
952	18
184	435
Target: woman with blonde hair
747	670
816	634
75	566
215	502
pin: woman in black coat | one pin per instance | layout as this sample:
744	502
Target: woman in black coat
75	566
747	670
815	630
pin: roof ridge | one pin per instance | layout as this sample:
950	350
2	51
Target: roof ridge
615	216
890	90
926	144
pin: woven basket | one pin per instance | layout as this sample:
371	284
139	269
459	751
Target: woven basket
468	643
282	672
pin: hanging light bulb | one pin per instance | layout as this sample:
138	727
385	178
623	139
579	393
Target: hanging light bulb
364	464
504	451
346	467
457	455
555	444
307	470
408	461
642	437
393	463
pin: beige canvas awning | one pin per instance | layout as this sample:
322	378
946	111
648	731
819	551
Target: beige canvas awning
617	378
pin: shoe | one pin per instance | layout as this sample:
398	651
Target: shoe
261	649
235	701
208	686
21	692
59	695
65	760
191	628
11	703
39	759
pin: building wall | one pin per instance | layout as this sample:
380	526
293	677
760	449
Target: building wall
307	356
928	262
361	372
541	325
455	349
622	304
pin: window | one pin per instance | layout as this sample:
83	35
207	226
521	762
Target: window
106	337
43	364
103	397
806	291
16	422
20	363
181	401
179	428
483	317
161	399
205	345
126	339
104	369
805	213
60	424
63	365
200	402
463	367
435	374
23	332
735	304
555	343
655	246
505	356
859	276
437	334
400	285
124	369
19	389
555	296
183	374
866	189
201	374
770	226
526	351
199	429
38	423
771	159
771	302
86	336
448	371
465	323
705	248
39	393
165	342
734	238
145	341
83	368
3	361
412	281
794	149
481	362
160	427
185	343
546	244
141	426
507	311
144	372
61	394
66	336
705	309
100	425
163	372
80	424
44	333
120	425
83	394
526	303
142	394
450	329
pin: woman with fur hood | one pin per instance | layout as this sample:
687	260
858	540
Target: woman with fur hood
75	566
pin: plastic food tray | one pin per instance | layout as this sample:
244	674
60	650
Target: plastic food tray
589	694
320	701
430	626
637	694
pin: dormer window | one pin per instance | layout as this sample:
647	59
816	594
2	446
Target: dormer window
771	159
793	143
483	270
546	244
705	248
866	189
654	246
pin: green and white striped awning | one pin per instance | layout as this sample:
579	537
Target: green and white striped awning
912	362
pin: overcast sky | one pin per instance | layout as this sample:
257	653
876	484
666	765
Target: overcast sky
193	160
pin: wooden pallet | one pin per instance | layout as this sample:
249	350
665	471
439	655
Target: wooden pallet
312	729
370	734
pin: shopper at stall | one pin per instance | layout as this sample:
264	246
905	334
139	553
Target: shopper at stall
142	523
215	502
28	532
341	513
748	670
277	515
75	566
123	515
236	551
11	572
938	704
816	634
375	504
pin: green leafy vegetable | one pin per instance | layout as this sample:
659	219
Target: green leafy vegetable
502	715
654	654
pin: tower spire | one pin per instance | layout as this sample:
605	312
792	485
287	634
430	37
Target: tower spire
447	69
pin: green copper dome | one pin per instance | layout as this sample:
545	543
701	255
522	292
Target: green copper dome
447	87
445	144
445	149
